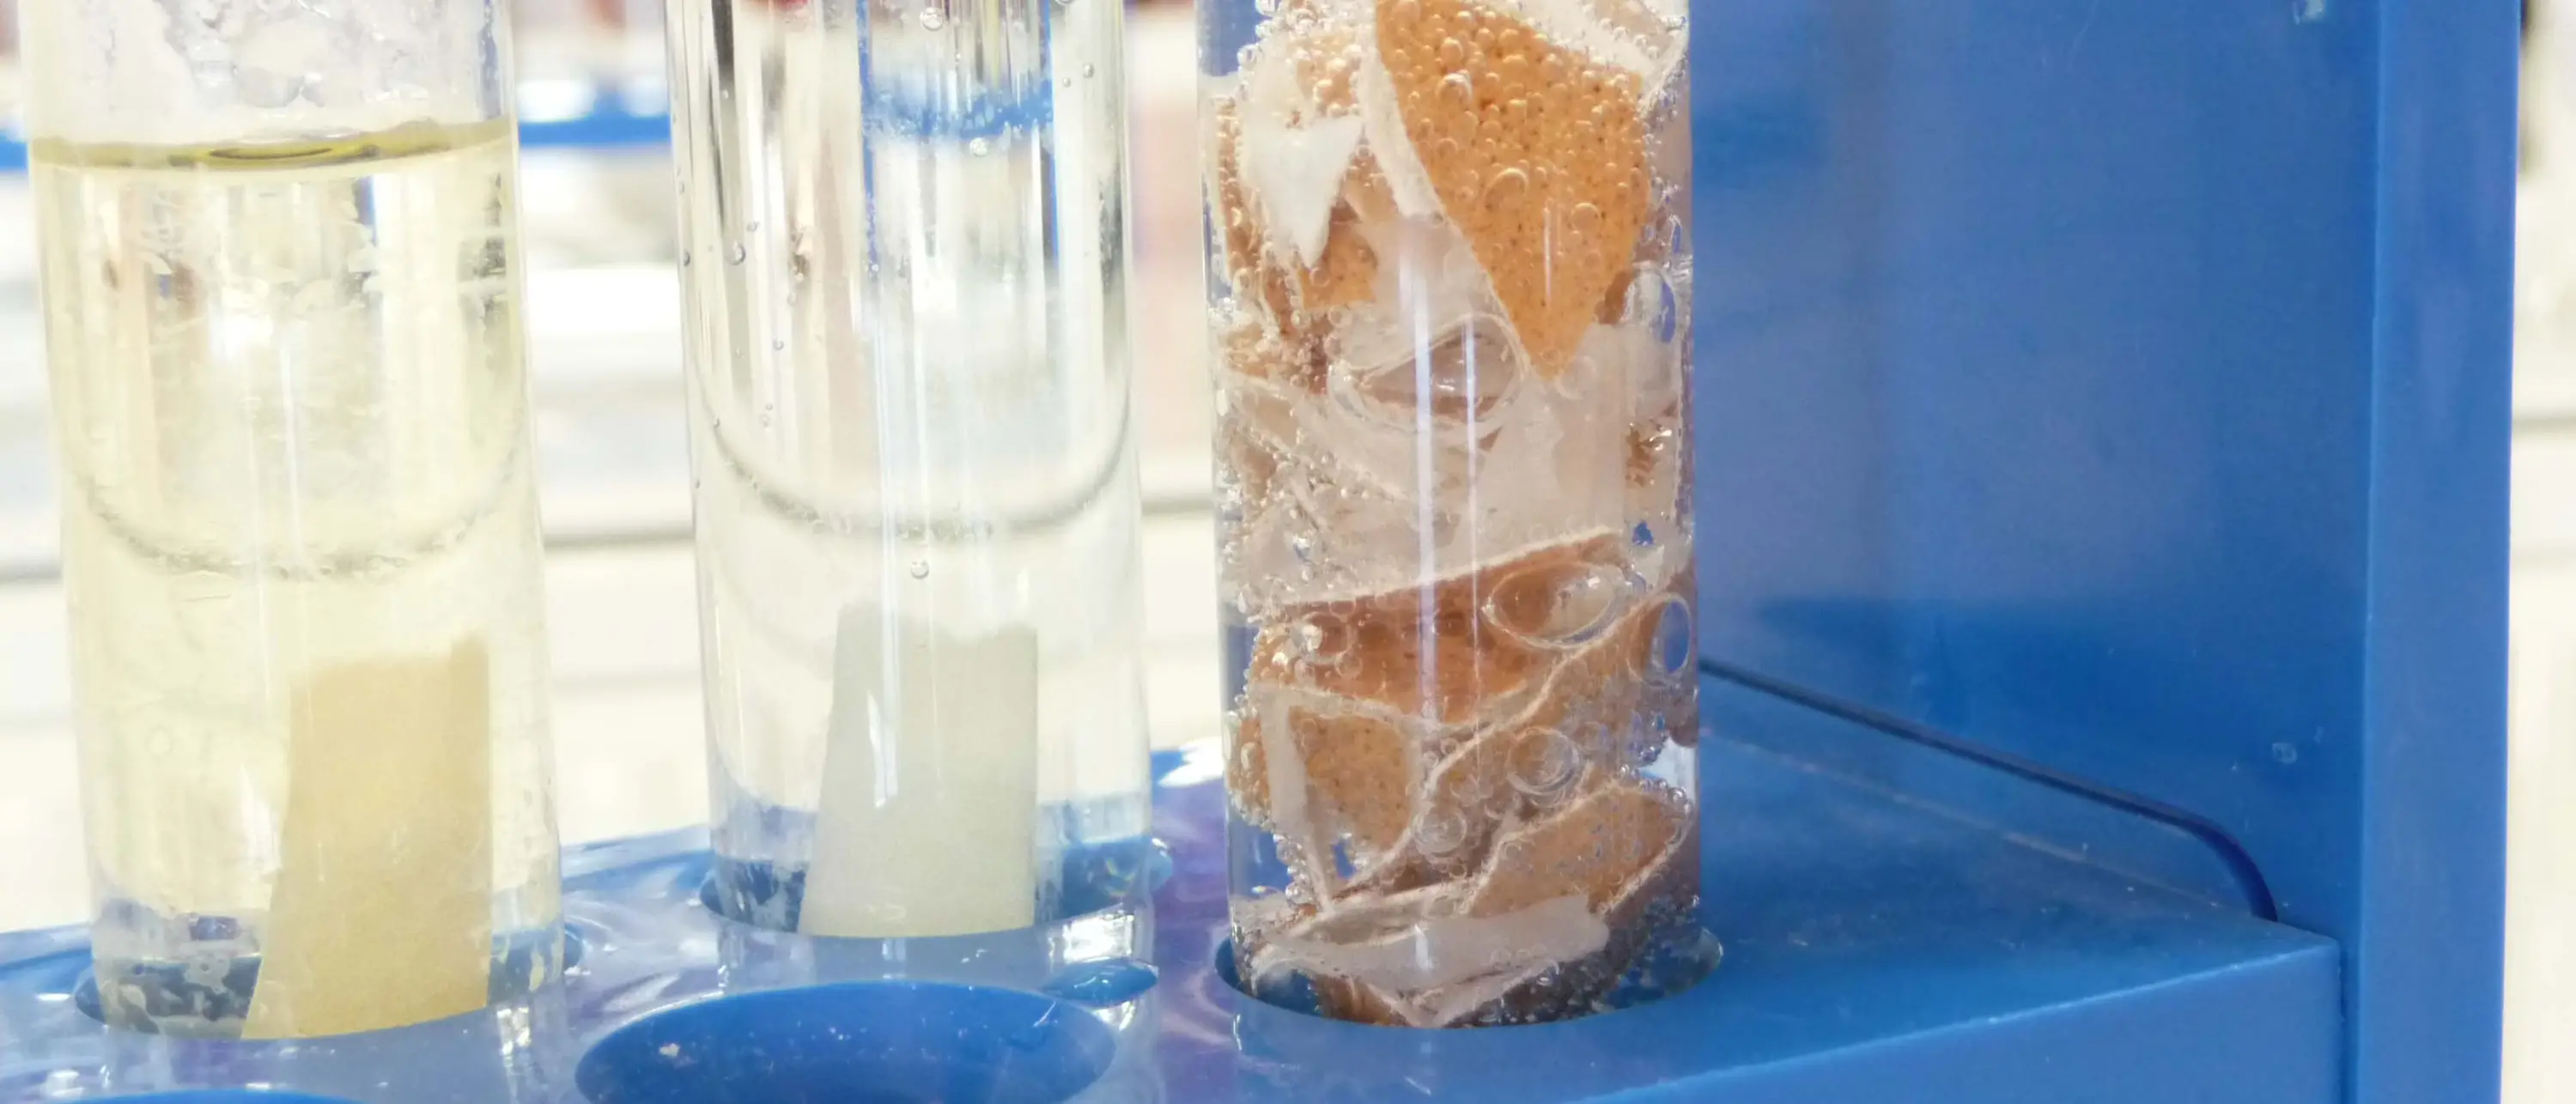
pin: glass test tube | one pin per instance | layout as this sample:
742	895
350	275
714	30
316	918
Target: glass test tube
1452	334
9	80
279	263
904	248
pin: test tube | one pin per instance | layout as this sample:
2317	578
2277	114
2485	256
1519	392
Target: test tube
279	266
904	249
1451	326
8	68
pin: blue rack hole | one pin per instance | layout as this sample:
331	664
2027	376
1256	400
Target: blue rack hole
172	990
854	1043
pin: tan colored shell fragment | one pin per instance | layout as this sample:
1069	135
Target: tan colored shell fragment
1627	845
1326	59
1377	646
1450	753
1669	882
1253	349
1321	59
1351	1002
1521	766
1538	155
1358	771
1325	56
1614	302
1245	244
1247	770
1365	191
1379	649
1347	272
1487	769
1595	845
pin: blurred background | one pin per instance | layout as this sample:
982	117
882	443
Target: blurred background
605	313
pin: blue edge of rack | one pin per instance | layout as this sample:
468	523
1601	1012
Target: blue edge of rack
2102	445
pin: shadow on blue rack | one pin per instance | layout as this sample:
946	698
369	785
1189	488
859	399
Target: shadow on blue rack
865	1043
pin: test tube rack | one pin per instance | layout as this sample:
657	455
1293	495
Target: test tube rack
2103	415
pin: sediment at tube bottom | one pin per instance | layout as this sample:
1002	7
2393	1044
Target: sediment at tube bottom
1453	450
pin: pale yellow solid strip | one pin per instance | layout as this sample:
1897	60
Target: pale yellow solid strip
382	914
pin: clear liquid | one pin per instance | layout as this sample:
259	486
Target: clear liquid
1454	507
909	398
301	549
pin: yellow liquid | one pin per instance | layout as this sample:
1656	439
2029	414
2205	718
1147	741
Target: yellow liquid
301	549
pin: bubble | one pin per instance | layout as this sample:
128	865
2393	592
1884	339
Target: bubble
920	569
978	147
684	258
1557	606
1584	220
1651	302
1466	375
932	18
738	254
1441	832
1675	643
1544	763
1591	738
1452	53
1088	71
1457	90
1506	190
1321	639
